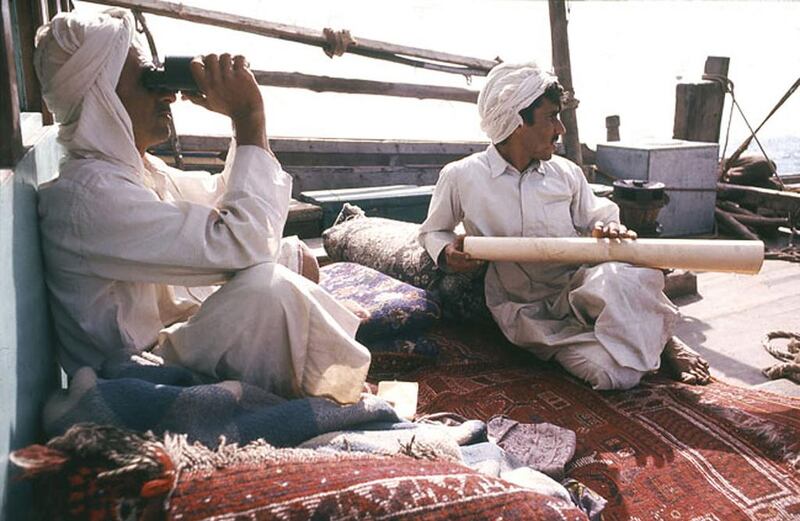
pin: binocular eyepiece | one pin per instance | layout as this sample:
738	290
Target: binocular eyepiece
174	75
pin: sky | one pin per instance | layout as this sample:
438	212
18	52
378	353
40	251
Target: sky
627	58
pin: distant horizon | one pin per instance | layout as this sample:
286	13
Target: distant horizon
627	57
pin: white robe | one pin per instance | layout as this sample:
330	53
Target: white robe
116	241
606	324
119	232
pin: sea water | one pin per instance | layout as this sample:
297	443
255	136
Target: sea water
627	58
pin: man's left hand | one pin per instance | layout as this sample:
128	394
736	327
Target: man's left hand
612	231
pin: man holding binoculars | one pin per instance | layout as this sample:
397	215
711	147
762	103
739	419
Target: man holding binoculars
124	235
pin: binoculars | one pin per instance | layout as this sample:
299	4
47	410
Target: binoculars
174	75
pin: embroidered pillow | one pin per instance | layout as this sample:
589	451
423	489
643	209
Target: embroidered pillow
395	308
385	245
296	484
391	247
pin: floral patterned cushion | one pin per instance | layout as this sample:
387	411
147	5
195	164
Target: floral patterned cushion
395	308
391	247
385	245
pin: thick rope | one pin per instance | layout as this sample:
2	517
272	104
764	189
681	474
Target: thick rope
790	356
337	42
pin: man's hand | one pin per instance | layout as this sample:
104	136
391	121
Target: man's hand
612	231
228	87
456	260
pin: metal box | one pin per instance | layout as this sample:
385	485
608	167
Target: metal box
687	168
400	202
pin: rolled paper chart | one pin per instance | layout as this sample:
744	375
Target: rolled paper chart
689	254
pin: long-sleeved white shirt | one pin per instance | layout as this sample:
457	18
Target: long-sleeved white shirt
116	241
547	308
492	199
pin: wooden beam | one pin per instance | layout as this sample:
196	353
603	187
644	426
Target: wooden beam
698	106
762	197
324	178
362	46
732	225
10	134
563	69
30	15
354	86
193	143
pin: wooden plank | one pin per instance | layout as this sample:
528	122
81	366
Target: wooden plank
30	15
734	226
10	135
698	106
363	46
193	143
563	69
354	86
760	221
761	197
328	178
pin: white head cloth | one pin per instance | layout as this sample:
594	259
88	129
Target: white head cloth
79	57
509	88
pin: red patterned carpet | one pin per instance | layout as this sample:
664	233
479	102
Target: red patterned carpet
660	452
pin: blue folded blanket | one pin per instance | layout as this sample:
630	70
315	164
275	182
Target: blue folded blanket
172	399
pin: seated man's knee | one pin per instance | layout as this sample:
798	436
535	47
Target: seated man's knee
262	281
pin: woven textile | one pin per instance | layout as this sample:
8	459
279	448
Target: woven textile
395	308
302	485
386	245
391	247
661	451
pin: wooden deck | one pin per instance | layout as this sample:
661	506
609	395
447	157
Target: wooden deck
730	316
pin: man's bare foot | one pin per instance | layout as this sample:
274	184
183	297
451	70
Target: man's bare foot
356	309
684	364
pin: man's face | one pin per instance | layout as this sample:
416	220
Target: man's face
541	137
148	109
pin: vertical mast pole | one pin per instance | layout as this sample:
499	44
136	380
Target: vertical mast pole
561	64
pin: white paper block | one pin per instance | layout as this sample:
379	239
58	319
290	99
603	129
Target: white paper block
402	396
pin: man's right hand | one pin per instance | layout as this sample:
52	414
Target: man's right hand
456	260
228	87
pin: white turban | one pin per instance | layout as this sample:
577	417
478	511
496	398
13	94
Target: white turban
509	88
79	58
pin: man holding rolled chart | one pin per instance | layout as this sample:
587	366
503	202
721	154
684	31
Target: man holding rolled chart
608	324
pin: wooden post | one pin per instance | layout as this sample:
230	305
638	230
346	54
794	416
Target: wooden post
612	128
10	133
561	63
30	15
698	106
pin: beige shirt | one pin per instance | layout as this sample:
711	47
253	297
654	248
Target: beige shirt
116	241
547	308
549	199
